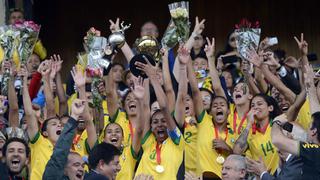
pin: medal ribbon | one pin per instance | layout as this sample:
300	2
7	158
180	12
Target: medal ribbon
217	135
76	139
131	130
235	117
261	130
158	153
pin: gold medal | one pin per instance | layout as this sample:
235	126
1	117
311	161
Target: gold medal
220	159
159	169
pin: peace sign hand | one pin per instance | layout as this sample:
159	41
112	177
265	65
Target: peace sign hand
210	48
114	26
199	27
302	44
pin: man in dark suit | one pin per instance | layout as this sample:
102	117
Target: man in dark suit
103	162
290	168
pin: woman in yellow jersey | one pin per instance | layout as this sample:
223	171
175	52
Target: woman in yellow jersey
185	117
211	144
128	158
257	135
162	144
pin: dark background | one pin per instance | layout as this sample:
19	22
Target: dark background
65	22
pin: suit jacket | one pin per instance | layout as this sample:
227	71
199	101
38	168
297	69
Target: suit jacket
292	169
94	176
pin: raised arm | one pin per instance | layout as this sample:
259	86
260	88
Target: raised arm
161	97
112	96
167	80
180	109
80	81
139	92
311	89
303	47
196	94
245	69
198	28
13	101
56	66
282	142
126	50
30	115
216	84
45	72
272	79
55	166
261	82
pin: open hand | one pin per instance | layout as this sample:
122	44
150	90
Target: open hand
78	76
138	88
148	69
45	68
57	61
256	167
254	58
183	55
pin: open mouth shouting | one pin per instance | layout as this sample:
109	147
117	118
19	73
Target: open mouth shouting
162	133
114	141
79	175
132	106
15	162
238	95
58	132
187	110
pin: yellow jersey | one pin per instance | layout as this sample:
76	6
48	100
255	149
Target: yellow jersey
127	160
190	153
80	144
236	123
260	145
304	116
121	118
206	159
41	151
170	153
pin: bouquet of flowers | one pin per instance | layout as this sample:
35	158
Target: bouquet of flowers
179	12
170	37
94	62
29	32
8	49
248	36
8	42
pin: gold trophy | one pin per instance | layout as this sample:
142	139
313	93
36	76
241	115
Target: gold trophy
148	45
116	39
